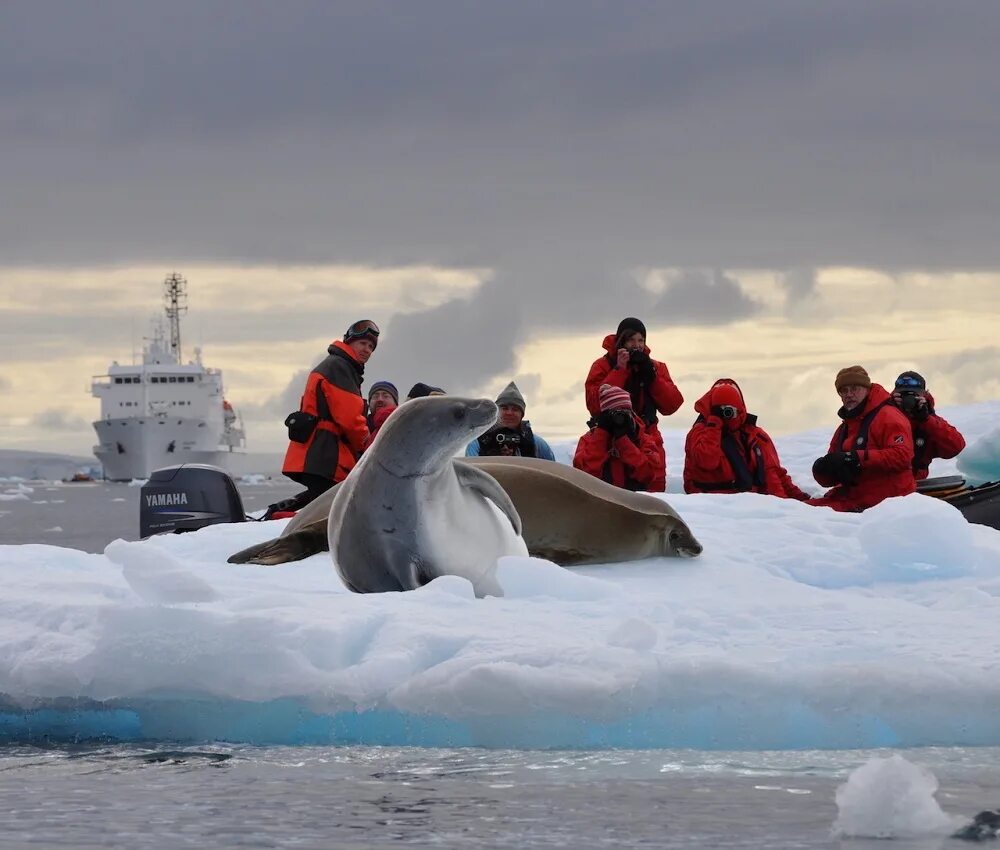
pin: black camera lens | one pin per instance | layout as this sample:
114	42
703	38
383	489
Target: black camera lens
728	411
510	438
908	401
620	417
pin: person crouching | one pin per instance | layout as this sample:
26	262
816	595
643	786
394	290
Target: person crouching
871	453
726	451
619	448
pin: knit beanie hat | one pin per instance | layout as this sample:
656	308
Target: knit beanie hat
911	381
511	395
727	394
629	326
388	387
852	376
614	398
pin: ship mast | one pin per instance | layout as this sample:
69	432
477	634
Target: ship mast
175	294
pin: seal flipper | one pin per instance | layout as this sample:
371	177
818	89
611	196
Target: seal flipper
281	550
487	485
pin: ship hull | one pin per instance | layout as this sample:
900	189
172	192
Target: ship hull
132	448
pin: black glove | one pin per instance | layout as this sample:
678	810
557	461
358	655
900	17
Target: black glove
624	427
641	364
842	467
605	421
847	467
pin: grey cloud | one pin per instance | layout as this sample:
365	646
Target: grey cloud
58	419
278	406
799	286
558	143
458	345
703	298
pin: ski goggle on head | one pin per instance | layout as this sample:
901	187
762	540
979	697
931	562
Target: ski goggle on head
362	328
909	382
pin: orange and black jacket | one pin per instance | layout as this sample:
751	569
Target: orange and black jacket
333	393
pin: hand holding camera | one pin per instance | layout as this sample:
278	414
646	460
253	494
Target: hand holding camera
842	467
618	423
913	404
640	362
725	412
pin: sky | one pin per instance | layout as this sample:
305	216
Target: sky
797	628
778	189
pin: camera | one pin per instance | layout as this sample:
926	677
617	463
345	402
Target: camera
507	437
637	357
726	411
619	418
908	401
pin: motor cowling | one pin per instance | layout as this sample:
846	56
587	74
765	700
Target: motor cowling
188	497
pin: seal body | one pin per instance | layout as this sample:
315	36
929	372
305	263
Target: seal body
573	518
406	514
568	517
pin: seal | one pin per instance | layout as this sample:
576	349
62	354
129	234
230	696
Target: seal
569	517
406	514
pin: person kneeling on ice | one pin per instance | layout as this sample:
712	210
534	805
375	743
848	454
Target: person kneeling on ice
871	453
726	451
932	435
619	448
512	435
383	399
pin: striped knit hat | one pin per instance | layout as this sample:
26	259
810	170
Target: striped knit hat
614	398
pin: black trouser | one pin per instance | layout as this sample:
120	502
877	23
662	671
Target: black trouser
316	485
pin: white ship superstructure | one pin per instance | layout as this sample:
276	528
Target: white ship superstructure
163	412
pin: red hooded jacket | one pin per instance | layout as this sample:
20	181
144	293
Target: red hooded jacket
333	393
886	456
630	463
933	437
742	458
660	396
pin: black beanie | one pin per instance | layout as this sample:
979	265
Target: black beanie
630	326
421	390
911	381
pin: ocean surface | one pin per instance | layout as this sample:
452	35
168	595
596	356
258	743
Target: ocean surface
211	794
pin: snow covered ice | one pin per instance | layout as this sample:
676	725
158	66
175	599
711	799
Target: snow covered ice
797	628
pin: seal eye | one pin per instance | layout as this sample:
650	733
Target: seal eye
458	412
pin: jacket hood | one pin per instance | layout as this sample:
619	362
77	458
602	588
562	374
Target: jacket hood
704	404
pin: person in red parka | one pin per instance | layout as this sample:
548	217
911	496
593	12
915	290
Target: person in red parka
871	453
627	365
333	432
932	435
726	451
619	448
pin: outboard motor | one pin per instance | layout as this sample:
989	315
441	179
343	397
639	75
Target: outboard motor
188	497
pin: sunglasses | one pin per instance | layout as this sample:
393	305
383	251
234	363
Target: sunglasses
909	383
364	327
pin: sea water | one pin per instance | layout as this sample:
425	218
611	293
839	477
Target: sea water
208	794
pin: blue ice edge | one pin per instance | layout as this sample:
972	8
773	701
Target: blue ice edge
289	722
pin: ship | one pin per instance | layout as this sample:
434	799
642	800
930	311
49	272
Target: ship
162	411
